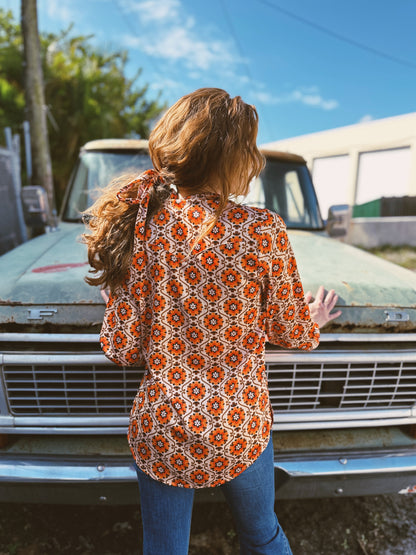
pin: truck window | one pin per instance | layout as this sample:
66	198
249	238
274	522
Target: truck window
95	170
283	187
287	189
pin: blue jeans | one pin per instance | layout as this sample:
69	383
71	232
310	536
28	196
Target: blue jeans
167	510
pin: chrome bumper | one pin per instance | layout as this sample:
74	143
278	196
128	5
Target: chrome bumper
112	480
345	474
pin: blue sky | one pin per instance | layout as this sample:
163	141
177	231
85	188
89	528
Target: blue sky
298	61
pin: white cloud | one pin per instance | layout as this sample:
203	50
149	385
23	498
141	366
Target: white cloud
367	117
310	96
166	84
173	36
180	45
314	100
60	11
265	97
153	10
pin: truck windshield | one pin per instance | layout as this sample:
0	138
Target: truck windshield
286	188
94	171
283	187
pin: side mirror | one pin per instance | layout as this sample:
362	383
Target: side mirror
338	220
35	206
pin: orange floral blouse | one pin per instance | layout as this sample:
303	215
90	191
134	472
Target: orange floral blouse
198	319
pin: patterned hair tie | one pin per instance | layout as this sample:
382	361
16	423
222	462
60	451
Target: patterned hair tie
143	182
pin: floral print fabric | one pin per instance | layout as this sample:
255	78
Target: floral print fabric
198	319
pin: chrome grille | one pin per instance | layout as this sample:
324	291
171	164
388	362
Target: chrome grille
317	382
66	389
379	385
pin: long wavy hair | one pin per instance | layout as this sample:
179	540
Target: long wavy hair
206	142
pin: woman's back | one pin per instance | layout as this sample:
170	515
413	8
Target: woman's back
202	311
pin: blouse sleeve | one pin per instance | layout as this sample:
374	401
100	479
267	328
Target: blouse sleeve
120	336
287	317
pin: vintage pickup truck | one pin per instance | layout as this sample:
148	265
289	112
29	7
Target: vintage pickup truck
345	413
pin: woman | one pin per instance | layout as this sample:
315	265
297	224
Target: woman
198	284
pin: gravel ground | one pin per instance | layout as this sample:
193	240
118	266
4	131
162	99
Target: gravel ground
384	525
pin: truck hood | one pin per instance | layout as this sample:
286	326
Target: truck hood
49	269
48	273
374	294
43	288
358	277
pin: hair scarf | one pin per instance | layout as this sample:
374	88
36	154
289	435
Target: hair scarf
150	187
144	182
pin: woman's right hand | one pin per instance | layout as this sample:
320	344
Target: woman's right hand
322	306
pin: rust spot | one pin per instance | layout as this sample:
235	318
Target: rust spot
4	302
58	267
369	327
48	327
316	440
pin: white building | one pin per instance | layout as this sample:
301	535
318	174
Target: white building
359	163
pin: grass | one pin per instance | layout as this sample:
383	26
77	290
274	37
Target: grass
402	255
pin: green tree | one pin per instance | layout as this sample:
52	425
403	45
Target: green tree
88	95
12	98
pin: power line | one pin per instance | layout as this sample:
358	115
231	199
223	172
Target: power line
338	36
236	39
134	30
241	52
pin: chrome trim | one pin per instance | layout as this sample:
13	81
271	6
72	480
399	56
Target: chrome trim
95	338
378	463
342	414
69	429
338	424
271	357
280	417
56	358
73	421
106	469
367	337
110	429
282	422
4	409
51	337
50	470
6	421
339	356
396	316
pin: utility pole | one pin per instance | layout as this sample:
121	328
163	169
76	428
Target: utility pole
35	104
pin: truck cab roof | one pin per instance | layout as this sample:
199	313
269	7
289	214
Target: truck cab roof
143	144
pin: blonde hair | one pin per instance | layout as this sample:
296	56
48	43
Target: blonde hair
208	136
205	142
